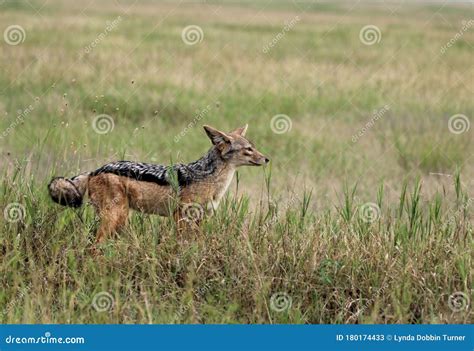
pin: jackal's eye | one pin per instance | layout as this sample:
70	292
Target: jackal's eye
248	148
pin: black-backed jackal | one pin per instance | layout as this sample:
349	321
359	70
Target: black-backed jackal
116	187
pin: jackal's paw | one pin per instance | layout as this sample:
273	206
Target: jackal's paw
95	251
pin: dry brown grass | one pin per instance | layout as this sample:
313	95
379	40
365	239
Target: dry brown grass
403	266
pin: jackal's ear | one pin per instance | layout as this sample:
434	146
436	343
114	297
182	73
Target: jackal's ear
241	131
216	136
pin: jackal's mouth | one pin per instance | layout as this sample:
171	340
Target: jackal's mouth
253	163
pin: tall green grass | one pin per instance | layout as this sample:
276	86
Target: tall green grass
372	229
399	265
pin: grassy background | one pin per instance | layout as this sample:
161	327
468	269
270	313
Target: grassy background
295	228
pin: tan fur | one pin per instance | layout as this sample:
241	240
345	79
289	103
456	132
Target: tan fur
209	192
114	195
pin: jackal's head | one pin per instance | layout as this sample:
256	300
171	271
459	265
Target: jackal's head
234	148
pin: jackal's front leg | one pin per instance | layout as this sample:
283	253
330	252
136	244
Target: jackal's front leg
186	224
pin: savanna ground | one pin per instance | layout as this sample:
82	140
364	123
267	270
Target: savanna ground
363	216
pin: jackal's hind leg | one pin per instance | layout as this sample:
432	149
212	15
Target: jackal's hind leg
179	221
111	203
111	221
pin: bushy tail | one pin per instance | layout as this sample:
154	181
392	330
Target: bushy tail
68	191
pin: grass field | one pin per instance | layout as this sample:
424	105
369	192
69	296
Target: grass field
365	214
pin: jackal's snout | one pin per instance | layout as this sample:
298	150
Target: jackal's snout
235	148
260	159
